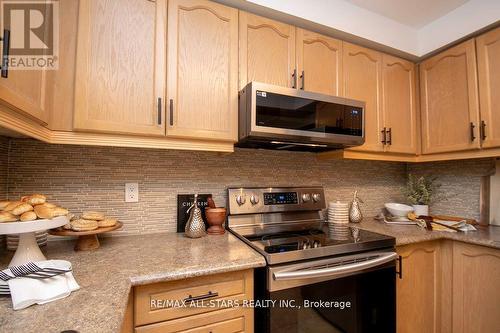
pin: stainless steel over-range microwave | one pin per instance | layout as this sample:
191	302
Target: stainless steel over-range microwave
275	117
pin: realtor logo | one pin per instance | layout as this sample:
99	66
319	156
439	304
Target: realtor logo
33	28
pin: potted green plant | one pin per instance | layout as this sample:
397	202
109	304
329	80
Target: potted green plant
420	191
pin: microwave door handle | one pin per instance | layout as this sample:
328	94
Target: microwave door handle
294	144
337	270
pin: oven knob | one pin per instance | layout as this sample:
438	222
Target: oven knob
306	197
254	199
241	199
306	245
316	197
316	244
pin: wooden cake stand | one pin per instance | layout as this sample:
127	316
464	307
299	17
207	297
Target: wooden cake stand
87	240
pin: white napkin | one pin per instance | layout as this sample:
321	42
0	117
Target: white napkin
25	291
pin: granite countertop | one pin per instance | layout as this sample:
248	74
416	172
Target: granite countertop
407	234
107	274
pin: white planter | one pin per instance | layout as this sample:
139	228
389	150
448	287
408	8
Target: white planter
421	210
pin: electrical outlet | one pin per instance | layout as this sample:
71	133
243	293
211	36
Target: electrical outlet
131	192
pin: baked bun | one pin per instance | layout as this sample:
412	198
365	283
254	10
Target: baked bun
90	215
3	204
44	212
34	199
67	226
59	211
7	217
107	222
28	216
48	205
12	205
22	208
83	225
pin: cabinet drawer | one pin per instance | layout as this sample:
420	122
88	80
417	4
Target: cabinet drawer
164	301
222	321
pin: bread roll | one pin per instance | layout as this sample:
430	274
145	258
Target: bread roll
4	204
96	216
28	216
67	226
12	205
59	211
34	199
84	225
108	222
8	217
22	208
48	205
44	212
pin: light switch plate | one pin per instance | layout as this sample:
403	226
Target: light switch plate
131	192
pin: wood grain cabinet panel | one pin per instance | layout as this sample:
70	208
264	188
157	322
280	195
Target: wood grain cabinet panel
363	81
449	100
202	70
476	292
120	70
488	62
319	63
398	104
267	51
419	290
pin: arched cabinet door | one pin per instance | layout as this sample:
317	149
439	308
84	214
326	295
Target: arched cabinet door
202	70
120	67
363	81
267	51
488	63
398	104
319	63
449	100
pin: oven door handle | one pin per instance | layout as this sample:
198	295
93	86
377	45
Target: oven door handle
381	259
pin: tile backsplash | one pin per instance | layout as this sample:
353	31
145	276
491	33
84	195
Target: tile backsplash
83	178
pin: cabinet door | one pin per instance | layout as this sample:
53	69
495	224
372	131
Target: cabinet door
449	104
398	100
202	70
23	90
319	63
488	62
476	295
419	290
267	51
120	70
363	81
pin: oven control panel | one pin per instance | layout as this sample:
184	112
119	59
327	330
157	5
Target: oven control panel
256	200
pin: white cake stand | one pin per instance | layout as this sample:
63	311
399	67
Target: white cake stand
27	248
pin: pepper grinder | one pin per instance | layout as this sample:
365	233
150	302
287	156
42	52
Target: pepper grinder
195	227
355	214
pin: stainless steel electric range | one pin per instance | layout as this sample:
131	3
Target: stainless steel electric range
314	281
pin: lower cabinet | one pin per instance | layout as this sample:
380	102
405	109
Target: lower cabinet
201	304
448	286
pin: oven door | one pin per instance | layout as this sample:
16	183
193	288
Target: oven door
350	294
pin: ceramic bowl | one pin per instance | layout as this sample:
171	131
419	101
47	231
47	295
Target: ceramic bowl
398	210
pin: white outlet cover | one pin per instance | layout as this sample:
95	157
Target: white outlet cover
131	192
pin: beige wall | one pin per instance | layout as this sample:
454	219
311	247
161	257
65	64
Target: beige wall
4	158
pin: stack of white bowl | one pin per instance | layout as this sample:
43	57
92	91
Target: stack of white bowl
338	219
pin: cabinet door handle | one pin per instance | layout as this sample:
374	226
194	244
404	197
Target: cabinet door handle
201	297
399	272
303	77
171	112
159	110
5	53
384	136
483	130
472	136
294	78
389	136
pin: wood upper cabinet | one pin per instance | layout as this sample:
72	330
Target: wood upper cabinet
476	294
120	69
363	81
202	84
267	51
398	105
449	100
419	290
488	63
319	63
